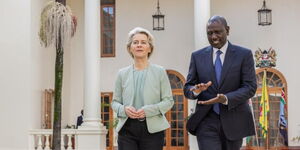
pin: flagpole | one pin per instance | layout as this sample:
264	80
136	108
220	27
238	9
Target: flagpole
267	139
253	118
277	138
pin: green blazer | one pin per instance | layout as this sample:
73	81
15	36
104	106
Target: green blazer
158	97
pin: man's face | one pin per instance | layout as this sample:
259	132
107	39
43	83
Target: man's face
217	34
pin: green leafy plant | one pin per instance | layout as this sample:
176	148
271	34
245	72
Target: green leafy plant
116	121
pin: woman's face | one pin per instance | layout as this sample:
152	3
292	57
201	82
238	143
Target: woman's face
140	47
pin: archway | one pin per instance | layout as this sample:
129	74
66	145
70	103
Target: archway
276	85
176	137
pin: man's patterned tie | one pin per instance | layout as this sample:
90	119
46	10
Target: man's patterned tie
218	70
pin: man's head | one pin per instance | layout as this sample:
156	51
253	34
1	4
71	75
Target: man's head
217	31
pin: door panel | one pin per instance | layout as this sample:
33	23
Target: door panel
176	137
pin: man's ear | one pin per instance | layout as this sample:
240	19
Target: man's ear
227	29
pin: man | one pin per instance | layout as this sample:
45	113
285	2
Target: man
79	119
222	79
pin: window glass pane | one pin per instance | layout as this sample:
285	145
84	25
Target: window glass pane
106	109
106	99
173	133
270	83
108	42
111	12
180	107
279	84
108	15
174	142
275	77
173	124
180	124
106	116
180	133
179	98
173	108
174	116
175	81
180	142
107	29
269	74
180	116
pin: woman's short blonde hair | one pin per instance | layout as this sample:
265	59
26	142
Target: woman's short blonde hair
139	30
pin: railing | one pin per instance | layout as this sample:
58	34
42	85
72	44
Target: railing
40	139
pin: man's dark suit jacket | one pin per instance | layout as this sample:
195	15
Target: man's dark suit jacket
238	83
79	121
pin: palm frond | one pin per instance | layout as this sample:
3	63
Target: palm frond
57	24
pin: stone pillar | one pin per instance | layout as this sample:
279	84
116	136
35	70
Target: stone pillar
201	16
92	65
91	135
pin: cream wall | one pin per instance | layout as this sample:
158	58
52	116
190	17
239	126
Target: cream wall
76	64
174	45
178	37
282	35
14	64
25	71
27	68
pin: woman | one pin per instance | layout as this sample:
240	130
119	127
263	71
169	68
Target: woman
142	97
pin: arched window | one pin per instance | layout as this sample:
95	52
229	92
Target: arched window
276	85
176	137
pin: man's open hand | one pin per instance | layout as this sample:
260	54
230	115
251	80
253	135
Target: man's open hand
219	99
198	88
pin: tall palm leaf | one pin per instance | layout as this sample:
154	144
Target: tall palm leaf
58	25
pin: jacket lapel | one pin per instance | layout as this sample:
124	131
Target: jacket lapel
229	59
131	84
211	69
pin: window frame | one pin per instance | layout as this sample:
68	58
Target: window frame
102	39
110	129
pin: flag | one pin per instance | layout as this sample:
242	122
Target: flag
282	124
264	107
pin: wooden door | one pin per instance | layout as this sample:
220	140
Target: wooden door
107	118
176	137
47	108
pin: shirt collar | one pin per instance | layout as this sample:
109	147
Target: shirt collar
223	49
